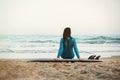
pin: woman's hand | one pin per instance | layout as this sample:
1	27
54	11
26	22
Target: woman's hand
81	58
56	59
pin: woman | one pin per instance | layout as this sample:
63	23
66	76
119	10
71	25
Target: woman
67	44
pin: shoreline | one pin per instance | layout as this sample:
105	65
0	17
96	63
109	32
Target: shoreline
21	70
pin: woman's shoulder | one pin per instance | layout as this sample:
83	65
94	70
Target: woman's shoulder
61	39
73	38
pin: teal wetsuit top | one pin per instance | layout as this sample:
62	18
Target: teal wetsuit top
66	48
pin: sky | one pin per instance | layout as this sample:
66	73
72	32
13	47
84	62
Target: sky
52	16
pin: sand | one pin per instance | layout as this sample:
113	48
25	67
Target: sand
109	69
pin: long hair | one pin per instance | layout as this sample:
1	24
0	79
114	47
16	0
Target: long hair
66	33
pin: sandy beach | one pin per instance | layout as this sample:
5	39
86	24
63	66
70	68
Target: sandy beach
109	69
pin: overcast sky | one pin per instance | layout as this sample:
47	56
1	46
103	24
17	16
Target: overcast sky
52	16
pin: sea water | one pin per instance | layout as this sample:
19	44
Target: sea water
46	46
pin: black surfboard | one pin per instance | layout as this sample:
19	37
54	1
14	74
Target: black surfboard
63	60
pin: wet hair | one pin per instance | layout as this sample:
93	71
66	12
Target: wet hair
66	33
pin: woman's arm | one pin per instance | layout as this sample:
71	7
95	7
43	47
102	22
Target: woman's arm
76	49
60	48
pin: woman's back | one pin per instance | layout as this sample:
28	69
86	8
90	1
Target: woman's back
66	48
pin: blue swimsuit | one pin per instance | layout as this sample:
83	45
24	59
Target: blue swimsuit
66	48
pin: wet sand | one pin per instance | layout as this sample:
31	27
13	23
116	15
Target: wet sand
109	69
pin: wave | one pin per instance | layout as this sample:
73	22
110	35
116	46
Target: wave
100	40
35	51
103	38
45	41
88	40
27	51
56	39
55	51
6	51
100	51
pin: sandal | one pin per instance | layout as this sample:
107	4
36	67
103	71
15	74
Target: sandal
98	57
92	57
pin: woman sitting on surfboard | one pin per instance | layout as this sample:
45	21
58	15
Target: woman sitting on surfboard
67	44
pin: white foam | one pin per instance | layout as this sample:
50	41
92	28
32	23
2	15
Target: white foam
48	55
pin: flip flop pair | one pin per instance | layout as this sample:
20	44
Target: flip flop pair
94	57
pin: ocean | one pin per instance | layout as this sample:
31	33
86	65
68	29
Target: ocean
46	46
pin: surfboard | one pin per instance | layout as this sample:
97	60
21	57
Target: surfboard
64	60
